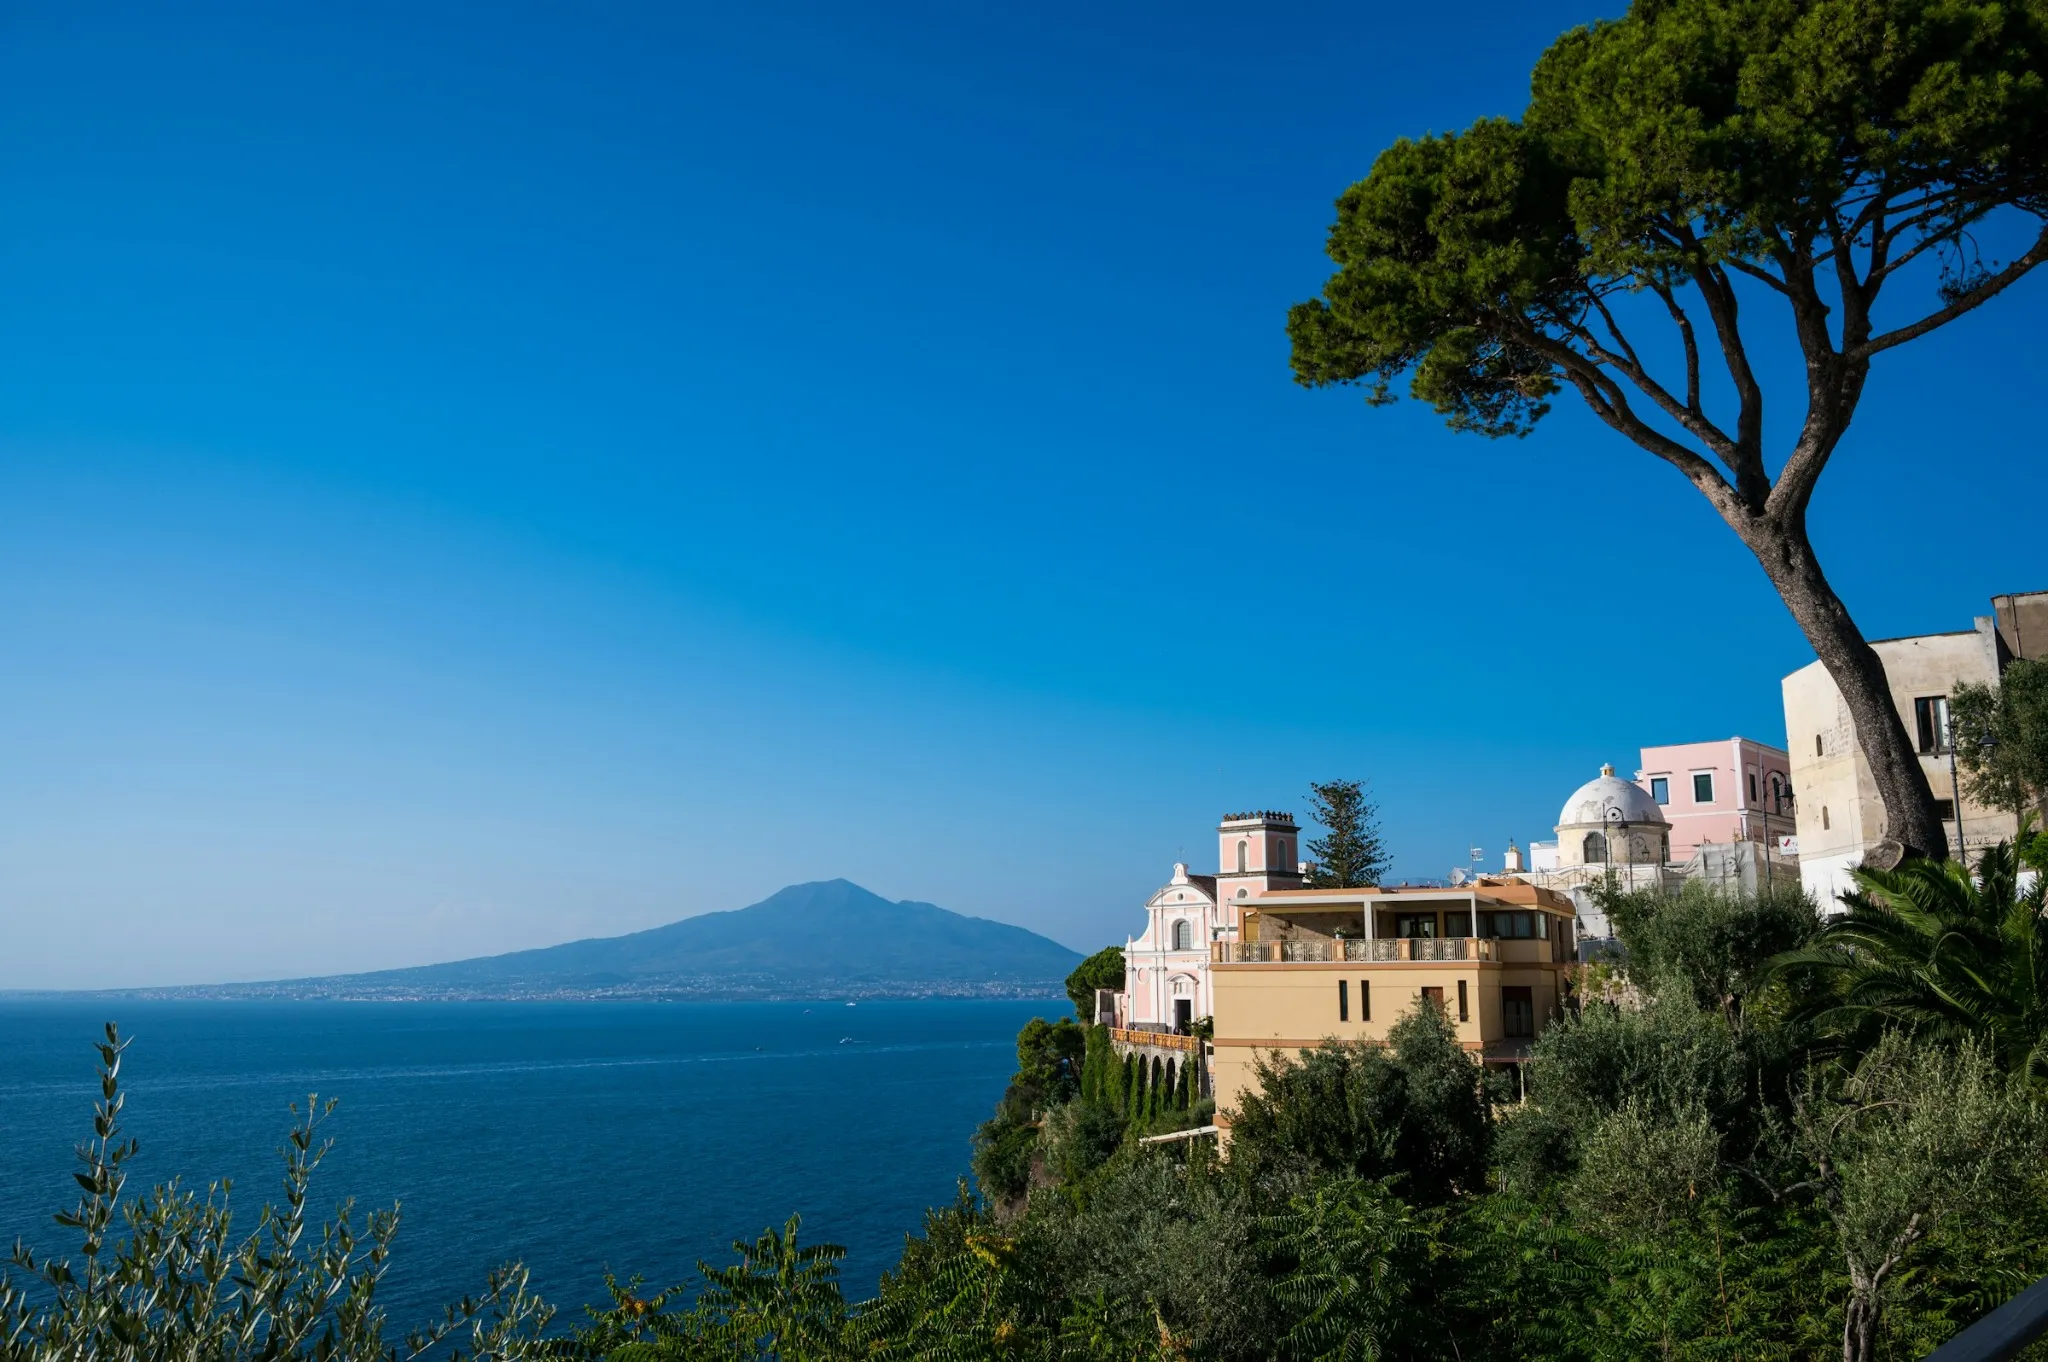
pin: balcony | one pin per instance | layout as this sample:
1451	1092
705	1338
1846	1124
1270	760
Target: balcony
1386	950
1163	1040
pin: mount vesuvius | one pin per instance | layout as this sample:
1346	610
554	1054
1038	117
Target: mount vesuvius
828	939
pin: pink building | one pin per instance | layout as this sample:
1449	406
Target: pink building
1166	966
1728	790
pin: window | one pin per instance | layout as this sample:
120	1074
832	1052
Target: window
1518	1011
1433	996
1464	1003
1365	1000
1930	715
1183	935
1703	787
1596	847
1458	923
1752	787
1507	926
1343	1000
1415	924
1818	750
1823	817
1660	789
1243	855
1945	810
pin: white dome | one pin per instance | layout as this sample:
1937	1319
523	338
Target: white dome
1589	804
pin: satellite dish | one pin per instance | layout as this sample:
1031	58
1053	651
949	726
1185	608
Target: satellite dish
1458	875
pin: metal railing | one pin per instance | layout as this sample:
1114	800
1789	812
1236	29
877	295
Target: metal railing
2002	1334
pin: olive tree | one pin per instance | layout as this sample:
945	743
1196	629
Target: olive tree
1693	165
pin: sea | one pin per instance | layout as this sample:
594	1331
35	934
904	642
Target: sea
578	1138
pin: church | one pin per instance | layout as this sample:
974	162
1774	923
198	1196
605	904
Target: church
1166	966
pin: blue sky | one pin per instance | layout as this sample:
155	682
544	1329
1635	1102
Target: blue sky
469	484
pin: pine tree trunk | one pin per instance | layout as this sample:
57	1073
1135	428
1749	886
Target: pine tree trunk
1788	560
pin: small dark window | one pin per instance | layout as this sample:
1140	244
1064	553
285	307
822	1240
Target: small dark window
1464	1004
1752	787
1660	789
1365	1000
1518	1011
1343	1000
1930	716
1703	787
1818	750
1595	847
1823	817
1945	810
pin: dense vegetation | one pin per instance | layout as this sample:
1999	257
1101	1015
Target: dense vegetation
1762	1137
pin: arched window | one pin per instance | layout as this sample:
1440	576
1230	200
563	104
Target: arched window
1243	855
1595	847
1283	855
1183	935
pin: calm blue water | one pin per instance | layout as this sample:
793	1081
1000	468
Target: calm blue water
574	1136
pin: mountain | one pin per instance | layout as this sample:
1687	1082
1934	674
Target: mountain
827	939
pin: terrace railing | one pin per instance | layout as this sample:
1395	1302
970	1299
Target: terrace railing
1385	950
1164	1040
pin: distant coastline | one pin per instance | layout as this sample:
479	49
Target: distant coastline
681	990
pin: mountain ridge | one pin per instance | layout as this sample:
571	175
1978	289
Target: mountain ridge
823	938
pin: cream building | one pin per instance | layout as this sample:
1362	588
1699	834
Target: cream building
1346	964
1840	817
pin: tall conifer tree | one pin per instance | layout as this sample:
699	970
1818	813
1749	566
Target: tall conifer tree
1354	854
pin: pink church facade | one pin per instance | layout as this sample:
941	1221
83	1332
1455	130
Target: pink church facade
1166	966
1727	790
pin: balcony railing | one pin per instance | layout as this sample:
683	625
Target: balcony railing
1165	1040
1388	950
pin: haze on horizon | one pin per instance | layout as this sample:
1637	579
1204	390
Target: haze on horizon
466	486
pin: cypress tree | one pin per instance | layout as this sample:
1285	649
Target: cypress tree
1091	1067
1172	1101
1187	1085
1127	1086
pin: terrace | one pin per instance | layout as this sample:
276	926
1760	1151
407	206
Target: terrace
1494	922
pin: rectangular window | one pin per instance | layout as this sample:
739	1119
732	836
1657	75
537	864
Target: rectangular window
1930	716
1458	923
1343	1001
1660	789
1945	810
1518	1011
1464	1004
1752	787
1703	787
1415	924
1818	750
1433	996
1365	1000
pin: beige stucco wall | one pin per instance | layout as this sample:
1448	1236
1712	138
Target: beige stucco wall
1840	816
1290	1007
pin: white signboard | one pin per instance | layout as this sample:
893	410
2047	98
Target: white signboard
1788	846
